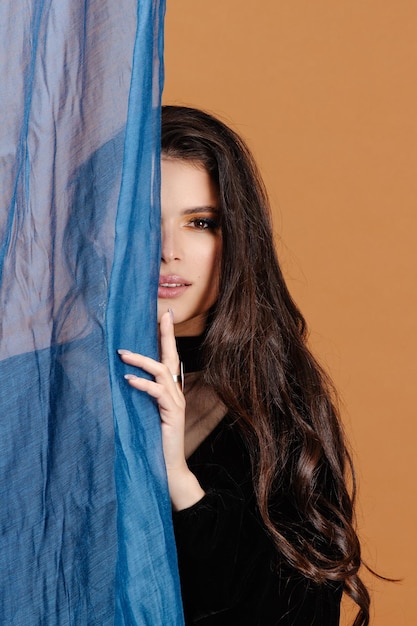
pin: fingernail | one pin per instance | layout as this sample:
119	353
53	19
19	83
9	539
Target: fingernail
130	377
124	352
171	312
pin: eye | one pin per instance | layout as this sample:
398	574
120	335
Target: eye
203	223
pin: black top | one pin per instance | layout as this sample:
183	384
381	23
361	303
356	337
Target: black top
229	568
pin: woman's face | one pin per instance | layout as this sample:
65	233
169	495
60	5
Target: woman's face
191	244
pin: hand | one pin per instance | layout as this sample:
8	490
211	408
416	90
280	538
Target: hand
183	485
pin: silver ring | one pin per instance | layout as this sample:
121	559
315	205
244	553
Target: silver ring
179	378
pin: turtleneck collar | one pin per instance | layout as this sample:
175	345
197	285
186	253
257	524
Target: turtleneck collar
204	410
190	352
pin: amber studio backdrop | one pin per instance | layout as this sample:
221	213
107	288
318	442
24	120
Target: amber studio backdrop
325	94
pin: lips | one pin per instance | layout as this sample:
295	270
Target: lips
172	286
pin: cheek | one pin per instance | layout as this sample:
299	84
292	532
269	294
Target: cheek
207	260
214	261
215	266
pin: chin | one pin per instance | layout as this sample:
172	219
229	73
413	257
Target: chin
190	326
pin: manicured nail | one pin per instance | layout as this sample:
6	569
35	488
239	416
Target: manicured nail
171	312
124	352
130	377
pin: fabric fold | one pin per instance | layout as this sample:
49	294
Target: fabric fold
85	521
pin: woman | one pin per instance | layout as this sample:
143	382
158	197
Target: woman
255	454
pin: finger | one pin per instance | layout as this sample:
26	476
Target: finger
169	354
156	390
166	402
158	370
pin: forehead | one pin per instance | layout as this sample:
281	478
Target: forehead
178	164
186	184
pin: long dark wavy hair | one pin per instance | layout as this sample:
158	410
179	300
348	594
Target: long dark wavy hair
258	362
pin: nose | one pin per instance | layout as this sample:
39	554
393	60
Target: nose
170	249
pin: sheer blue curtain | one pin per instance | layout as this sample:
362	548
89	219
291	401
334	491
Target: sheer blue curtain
85	521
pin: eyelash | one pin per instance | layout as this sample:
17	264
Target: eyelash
204	223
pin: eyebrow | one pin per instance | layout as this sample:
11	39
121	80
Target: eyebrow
201	209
